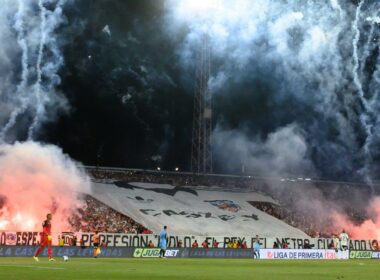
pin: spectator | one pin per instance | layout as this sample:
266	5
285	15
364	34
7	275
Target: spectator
205	244
195	244
61	241
244	245
375	245
92	218
215	244
81	243
150	244
331	245
74	241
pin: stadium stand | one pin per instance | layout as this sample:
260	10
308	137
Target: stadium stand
252	194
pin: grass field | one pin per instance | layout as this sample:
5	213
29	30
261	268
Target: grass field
107	269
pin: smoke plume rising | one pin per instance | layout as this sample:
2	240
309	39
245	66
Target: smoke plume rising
313	68
37	179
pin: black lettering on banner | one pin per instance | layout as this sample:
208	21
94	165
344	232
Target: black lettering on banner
18	238
187	241
157	239
177	241
300	243
169	212
208	241
86	239
363	245
253	240
25	238
194	215
136	241
146	211
34	241
226	240
124	240
278	241
264	242
103	238
2	238
241	240
226	217
171	242
356	245
321	244
29	238
144	240
284	240
116	238
253	217
108	240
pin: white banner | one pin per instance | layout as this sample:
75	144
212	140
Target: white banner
174	241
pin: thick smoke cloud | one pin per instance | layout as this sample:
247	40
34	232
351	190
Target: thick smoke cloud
295	86
35	180
313	60
284	151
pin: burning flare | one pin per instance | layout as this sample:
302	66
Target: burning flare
37	179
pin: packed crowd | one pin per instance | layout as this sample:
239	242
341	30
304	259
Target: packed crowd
293	217
96	216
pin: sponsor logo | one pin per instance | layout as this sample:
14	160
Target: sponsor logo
137	253
146	253
360	254
299	254
375	255
153	253
270	255
11	238
171	253
330	255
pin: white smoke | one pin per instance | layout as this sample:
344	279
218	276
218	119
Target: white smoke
309	50
282	152
322	54
35	179
32	43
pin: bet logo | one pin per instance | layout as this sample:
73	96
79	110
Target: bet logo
137	253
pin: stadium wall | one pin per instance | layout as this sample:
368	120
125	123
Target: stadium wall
128	252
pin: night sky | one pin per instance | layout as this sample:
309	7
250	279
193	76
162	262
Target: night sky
121	114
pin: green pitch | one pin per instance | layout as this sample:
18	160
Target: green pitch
109	269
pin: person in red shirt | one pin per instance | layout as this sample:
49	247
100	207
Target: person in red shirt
195	244
215	244
46	239
205	244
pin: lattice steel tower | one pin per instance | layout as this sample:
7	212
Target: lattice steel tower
201	154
